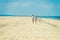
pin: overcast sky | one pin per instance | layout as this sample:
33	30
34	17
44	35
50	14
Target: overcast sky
29	7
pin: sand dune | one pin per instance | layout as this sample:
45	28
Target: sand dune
22	28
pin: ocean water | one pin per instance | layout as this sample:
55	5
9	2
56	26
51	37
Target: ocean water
50	17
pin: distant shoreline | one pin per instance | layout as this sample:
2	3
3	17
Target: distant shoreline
31	16
49	17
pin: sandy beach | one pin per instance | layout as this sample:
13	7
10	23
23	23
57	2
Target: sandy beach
22	28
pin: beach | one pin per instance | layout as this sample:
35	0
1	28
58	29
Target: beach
22	28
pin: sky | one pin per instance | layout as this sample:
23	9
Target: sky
29	7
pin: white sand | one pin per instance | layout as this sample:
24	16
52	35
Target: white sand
21	28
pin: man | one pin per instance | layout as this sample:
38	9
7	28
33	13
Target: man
35	18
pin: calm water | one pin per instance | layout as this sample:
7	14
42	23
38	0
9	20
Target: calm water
51	17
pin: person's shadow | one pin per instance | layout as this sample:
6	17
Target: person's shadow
51	24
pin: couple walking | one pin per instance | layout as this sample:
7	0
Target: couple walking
34	19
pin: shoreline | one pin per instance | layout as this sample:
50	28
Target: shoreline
52	18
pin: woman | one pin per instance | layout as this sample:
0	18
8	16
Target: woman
33	19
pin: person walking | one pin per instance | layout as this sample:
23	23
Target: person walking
33	18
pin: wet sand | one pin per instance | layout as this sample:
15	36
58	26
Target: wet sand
22	28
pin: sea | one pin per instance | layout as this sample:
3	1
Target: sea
49	17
